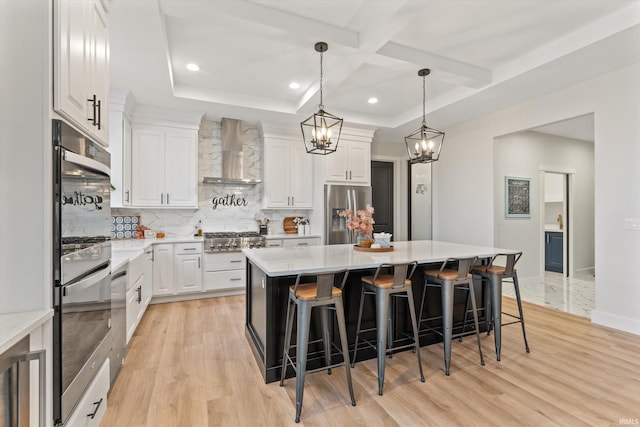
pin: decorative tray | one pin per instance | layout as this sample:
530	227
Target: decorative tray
359	248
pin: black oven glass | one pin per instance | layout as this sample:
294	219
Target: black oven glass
86	317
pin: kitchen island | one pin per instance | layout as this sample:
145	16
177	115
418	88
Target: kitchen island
270	272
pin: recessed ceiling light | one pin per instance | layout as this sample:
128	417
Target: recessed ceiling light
294	85
193	67
372	100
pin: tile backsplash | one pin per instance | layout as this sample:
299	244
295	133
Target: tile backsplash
124	226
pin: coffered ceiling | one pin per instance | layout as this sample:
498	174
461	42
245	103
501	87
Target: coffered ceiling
484	55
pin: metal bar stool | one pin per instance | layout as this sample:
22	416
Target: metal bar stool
495	274
325	295
448	280
385	286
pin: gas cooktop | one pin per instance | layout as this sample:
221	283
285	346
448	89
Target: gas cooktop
232	241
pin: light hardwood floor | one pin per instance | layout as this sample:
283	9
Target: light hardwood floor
189	364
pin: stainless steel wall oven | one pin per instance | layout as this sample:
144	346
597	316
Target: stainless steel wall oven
81	273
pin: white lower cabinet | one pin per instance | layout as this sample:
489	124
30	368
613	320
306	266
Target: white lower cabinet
292	241
138	292
135	308
303	241
188	273
163	269
93	405
224	271
177	268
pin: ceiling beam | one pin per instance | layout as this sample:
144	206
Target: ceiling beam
293	26
474	76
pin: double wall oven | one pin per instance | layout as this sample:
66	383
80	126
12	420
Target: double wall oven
81	260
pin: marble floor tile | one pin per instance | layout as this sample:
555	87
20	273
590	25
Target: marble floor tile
572	295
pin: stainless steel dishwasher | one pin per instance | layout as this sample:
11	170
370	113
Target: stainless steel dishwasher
118	319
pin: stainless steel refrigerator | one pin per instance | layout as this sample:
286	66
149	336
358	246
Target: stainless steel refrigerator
339	198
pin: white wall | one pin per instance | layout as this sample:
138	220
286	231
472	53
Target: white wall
25	156
463	181
522	154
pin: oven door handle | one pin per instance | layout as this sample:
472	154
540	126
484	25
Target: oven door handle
86	162
88	281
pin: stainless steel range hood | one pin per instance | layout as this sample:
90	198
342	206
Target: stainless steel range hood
232	156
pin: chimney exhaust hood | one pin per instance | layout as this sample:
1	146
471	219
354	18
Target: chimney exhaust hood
232	156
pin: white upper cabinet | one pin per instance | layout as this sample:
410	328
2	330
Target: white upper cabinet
288	174
351	163
164	166
120	147
81	73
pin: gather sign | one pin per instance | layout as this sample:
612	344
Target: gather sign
228	200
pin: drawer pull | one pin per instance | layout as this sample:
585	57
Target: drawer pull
303	243
189	249
236	260
235	279
95	410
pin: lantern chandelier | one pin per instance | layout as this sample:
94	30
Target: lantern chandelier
424	144
321	131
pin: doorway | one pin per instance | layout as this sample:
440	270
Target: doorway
382	195
557	256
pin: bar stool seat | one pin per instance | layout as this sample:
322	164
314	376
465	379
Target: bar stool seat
384	286
448	280
324	295
496	274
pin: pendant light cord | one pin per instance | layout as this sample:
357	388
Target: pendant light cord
321	106
424	97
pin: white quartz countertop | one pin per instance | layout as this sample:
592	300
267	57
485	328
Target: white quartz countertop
285	261
142	244
15	326
290	236
126	250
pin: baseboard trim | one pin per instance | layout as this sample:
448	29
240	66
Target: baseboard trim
200	295
615	321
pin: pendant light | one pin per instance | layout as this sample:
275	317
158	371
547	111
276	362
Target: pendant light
424	144
321	131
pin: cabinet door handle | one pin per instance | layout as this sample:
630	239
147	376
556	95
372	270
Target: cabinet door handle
127	196
292	202
167	198
92	100
162	198
139	290
198	262
350	175
346	174
99	115
95	410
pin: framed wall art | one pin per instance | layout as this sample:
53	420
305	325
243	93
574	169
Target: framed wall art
517	197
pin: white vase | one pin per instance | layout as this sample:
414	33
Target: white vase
300	229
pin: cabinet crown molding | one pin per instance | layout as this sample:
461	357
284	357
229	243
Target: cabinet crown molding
122	100
154	115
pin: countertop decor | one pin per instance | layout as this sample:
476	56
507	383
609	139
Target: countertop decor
363	249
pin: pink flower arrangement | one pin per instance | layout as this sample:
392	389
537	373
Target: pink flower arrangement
362	222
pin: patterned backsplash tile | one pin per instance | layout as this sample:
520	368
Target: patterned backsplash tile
124	226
